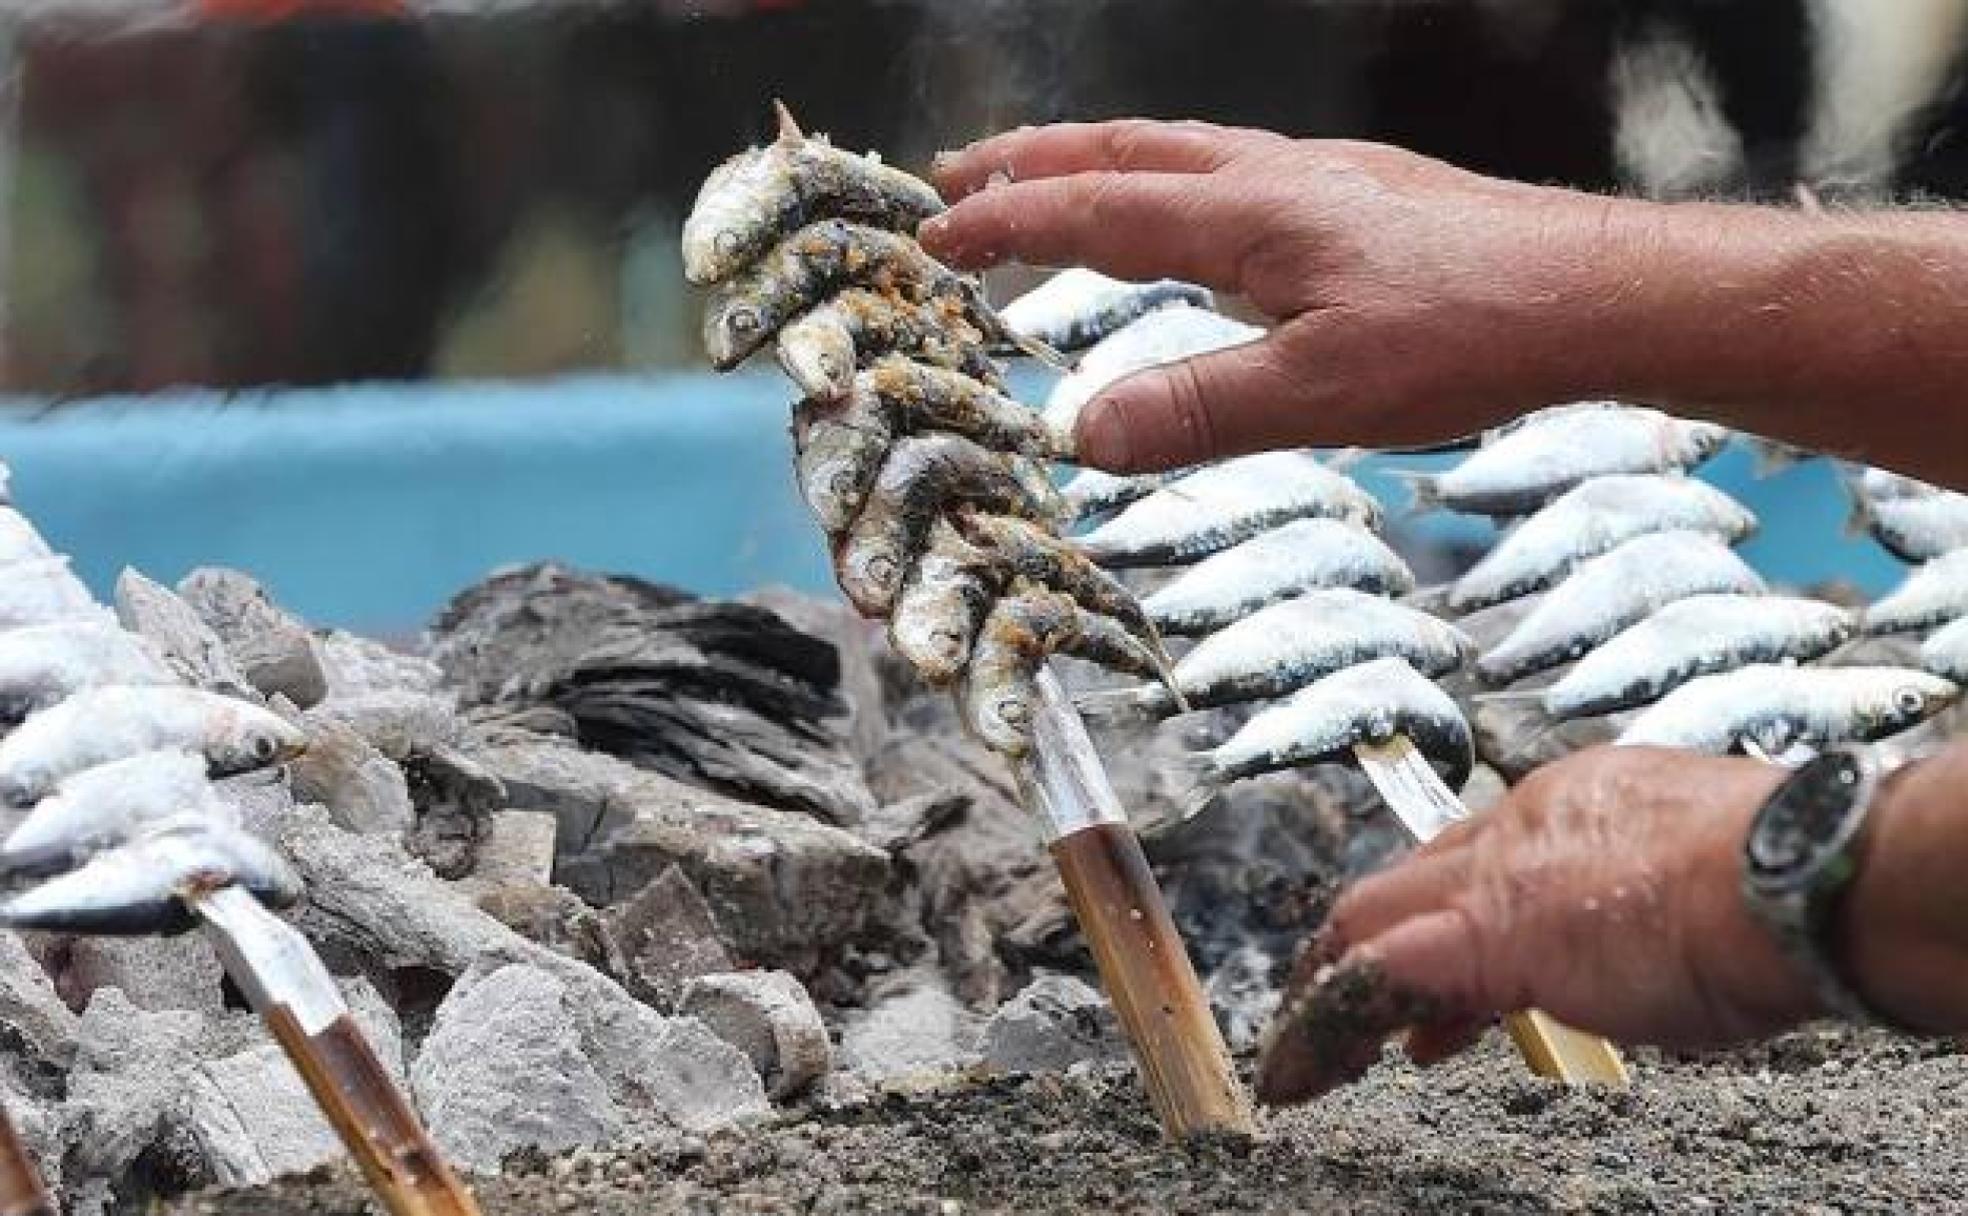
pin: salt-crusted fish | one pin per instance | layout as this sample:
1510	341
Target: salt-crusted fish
1696	636
1776	708
1303	555
1876	483
1078	307
824	346
1221	505
759	195
41	664
1528	465
1371	702
1945	652
839	447
1932	594
999	695
1166	335
944	598
924	476
99	725
1612	591
20	541
100	806
1091	492
1591	519
932	398
144	887
1288	645
44	591
1915	528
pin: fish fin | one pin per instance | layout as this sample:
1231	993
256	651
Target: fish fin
1197	783
1769	457
1424	490
1120	704
789	130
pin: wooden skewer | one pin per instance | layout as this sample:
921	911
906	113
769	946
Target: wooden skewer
294	995
1425	806
21	1189
1144	967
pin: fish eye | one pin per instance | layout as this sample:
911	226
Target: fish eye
743	320
1014	711
725	242
1909	700
882	570
264	748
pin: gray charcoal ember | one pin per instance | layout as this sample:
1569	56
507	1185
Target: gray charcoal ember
270	645
518	849
782	884
768	1016
36	1026
550	916
1053	1023
358	667
1243	995
155	973
188	646
918	1028
858	641
664	936
363	790
455	797
1516	736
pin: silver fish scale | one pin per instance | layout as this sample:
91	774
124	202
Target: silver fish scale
1303	555
1366	703
1922	527
1166	335
41	664
1612	591
1591	519
1219	506
1930	595
1525	467
1945	652
1778	707
1692	637
1078	307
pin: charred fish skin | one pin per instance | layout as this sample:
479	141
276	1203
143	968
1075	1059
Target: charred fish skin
1526	466
1303	555
1945	652
944	599
1919	528
764	192
1293	643
999	694
104	724
923	476
1166	335
1778	707
1224	504
1367	703
42	664
1608	593
932	398
99	806
1697	636
1931	594
1030	553
143	887
1590	519
839	447
1078	308
822	349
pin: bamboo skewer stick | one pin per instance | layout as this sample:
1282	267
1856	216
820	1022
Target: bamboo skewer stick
293	994
1184	1063
21	1190
1425	806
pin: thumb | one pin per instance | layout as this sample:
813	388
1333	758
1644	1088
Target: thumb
1225	403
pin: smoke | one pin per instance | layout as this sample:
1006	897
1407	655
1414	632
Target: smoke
1879	67
1670	136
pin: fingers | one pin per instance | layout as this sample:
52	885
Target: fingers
1031	153
1131	225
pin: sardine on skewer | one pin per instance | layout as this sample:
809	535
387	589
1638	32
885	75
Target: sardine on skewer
1303	555
1528	465
99	806
1945	652
1166	335
1932	594
1368	703
759	195
944	598
1777	708
42	664
1915	528
1025	551
822	348
1223	504
1692	637
1590	519
1608	593
1078	308
1288	645
44	591
1091	492
99	725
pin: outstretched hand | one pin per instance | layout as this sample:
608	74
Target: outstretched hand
1413	301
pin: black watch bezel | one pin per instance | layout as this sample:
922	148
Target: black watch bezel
1801	839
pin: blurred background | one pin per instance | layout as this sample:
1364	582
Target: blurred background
369	298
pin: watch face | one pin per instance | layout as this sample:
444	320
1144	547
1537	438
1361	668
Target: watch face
1806	818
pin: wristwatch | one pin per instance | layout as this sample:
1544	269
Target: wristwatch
1800	859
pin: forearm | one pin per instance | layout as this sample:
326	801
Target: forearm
1903	931
1841	332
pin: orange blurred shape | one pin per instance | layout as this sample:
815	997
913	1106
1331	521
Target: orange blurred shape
279	10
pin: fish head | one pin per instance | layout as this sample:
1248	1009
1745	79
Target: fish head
818	352
734	216
1700	440
144	886
736	324
870	572
241	737
1912	700
936	618
1001	712
835	465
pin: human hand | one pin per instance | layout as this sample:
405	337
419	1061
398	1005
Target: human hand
1414	301
1604	890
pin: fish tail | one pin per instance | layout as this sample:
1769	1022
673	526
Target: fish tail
1122	704
1424	490
1769	457
1197	781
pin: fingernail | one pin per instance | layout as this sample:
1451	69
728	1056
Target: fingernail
934	231
1103	436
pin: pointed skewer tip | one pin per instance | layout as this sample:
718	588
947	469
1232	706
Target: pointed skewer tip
789	130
